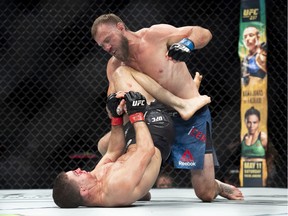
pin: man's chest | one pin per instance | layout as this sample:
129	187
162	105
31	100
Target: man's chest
151	61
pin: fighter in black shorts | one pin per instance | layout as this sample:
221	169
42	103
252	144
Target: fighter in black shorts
121	178
160	126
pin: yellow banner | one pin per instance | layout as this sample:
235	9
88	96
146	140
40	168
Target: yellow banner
252	50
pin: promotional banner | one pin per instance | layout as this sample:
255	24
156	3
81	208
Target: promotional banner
252	50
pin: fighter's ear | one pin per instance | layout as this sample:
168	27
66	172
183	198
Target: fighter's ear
120	26
84	192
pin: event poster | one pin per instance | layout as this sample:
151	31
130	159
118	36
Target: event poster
252	50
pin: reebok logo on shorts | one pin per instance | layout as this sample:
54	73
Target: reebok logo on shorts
187	159
187	156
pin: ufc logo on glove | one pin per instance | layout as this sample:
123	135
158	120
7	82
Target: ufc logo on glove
138	103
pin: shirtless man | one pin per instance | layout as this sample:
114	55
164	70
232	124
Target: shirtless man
121	178
160	52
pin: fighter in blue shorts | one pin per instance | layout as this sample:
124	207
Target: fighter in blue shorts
193	139
156	58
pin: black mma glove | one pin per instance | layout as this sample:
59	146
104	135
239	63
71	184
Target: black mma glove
182	50
136	105
112	104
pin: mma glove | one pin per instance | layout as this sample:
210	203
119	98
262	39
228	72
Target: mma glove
136	105
112	104
182	50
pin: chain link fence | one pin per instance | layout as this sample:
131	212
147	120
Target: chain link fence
53	84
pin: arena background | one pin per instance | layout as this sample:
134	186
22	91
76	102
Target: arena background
53	84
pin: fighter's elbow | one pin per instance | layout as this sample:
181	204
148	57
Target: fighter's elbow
209	35
149	150
148	155
203	37
152	150
206	36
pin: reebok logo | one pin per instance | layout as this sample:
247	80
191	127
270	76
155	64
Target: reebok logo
187	159
138	103
187	156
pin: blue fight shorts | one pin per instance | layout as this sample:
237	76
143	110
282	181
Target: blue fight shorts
193	139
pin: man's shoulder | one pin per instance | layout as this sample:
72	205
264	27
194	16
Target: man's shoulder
155	32
162	28
114	62
156	28
112	65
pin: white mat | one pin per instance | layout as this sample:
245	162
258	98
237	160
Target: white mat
164	202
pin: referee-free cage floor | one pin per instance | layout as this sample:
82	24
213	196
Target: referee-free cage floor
164	202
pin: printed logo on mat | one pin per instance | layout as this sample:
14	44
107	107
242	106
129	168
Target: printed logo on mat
187	159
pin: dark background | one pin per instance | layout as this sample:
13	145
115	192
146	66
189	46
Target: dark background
53	83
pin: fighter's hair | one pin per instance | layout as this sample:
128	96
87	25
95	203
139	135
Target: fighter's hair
66	193
109	18
252	111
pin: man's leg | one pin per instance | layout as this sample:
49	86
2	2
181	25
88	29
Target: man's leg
185	107
207	187
124	81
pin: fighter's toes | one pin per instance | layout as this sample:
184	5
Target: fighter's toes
229	191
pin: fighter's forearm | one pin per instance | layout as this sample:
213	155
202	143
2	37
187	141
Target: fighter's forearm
116	143
143	138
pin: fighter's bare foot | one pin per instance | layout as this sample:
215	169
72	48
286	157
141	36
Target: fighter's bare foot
190	106
229	191
198	79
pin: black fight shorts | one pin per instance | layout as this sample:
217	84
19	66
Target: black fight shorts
160	126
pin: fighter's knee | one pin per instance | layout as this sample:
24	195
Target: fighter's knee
206	195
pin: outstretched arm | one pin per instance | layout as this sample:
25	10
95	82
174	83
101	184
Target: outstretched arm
116	144
116	141
132	166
